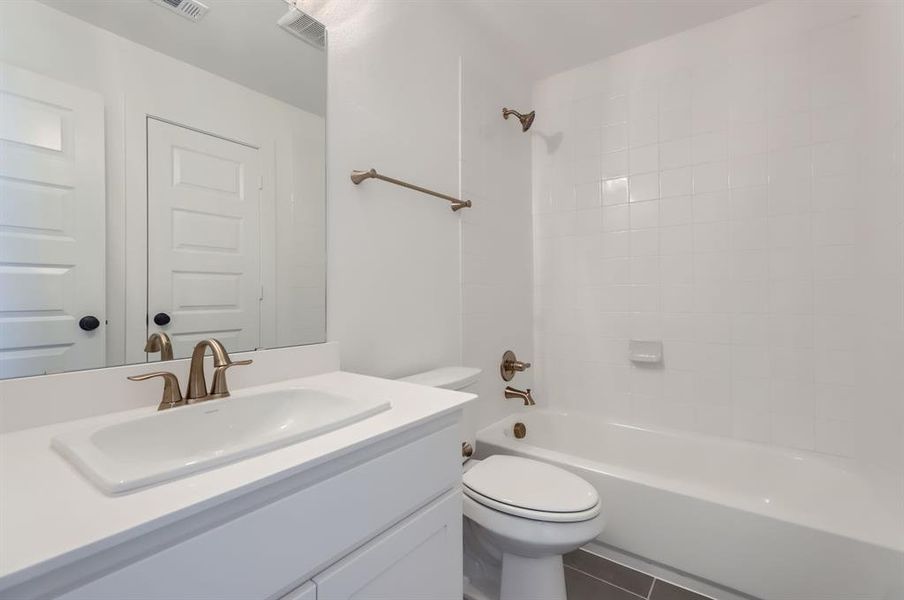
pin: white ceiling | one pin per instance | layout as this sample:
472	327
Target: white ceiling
550	36
236	40
239	39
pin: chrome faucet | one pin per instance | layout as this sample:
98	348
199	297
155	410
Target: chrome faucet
160	342
512	393
197	383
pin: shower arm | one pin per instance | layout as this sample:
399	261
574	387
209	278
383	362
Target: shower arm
510	111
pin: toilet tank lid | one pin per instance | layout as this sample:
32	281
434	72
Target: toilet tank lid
450	378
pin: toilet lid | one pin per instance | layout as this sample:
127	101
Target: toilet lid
529	484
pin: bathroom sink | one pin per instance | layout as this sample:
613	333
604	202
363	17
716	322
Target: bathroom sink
178	441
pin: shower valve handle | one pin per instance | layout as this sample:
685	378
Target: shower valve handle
511	365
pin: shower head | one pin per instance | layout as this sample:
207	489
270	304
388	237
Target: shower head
526	120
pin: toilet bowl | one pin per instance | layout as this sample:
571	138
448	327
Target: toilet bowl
520	517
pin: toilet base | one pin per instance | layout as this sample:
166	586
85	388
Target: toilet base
526	578
520	578
513	558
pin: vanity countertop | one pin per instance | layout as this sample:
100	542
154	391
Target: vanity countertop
50	515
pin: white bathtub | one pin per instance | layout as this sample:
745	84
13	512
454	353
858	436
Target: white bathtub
772	523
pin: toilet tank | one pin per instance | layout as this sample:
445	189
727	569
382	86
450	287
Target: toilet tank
462	379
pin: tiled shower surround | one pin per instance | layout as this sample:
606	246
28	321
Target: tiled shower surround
735	191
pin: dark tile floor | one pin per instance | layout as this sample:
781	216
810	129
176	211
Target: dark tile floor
618	575
581	586
592	577
663	590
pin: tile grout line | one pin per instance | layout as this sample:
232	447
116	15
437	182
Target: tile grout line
647	597
623	565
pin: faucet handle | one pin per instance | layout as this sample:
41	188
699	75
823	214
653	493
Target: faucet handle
511	365
172	395
219	389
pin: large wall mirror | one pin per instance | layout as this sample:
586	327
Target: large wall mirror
162	171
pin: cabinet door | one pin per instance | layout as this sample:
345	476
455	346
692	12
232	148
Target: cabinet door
418	559
307	591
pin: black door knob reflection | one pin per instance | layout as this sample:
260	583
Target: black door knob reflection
161	319
89	323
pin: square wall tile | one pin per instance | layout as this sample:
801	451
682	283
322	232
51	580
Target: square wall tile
644	187
644	159
677	182
711	177
676	153
615	191
644	215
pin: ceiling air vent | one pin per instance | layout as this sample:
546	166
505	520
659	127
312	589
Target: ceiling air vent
190	9
304	26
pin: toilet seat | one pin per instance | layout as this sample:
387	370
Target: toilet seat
531	489
530	537
535	515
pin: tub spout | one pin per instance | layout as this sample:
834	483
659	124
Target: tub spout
512	393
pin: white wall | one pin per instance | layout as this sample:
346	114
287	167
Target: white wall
417	93
392	104
736	191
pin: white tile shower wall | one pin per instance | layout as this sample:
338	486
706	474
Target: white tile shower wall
735	190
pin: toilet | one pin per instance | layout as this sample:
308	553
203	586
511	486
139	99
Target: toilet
520	516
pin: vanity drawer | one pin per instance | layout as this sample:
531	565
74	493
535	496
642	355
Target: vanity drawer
419	558
270	550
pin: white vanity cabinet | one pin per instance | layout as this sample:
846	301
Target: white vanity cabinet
381	522
418	559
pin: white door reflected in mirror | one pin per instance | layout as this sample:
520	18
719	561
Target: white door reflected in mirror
52	216
204	246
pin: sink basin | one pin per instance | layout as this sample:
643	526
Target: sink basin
178	441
